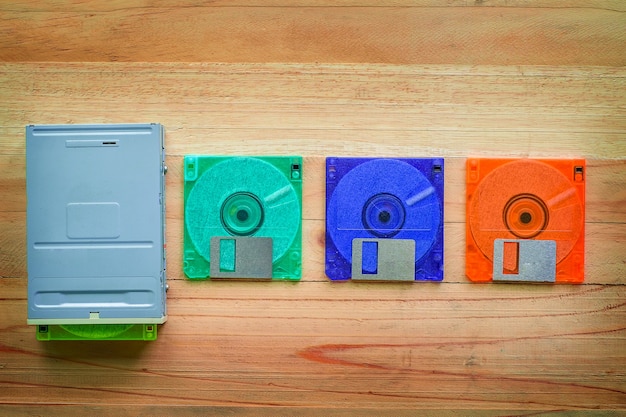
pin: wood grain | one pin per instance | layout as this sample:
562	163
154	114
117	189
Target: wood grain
313	344
479	32
316	347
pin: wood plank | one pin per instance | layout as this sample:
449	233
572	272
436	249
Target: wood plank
257	411
604	264
537	32
605	196
98	6
606	220
325	109
317	343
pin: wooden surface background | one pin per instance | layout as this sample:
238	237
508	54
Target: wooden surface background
538	78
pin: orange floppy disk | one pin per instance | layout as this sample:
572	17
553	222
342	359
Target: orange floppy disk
525	220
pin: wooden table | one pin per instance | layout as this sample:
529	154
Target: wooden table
515	78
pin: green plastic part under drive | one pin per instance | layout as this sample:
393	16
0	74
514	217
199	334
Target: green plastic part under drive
97	332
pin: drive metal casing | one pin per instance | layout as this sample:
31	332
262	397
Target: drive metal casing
96	230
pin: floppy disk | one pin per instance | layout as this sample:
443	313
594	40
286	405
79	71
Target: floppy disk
384	219
243	217
525	220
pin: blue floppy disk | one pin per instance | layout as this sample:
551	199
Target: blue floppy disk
384	219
